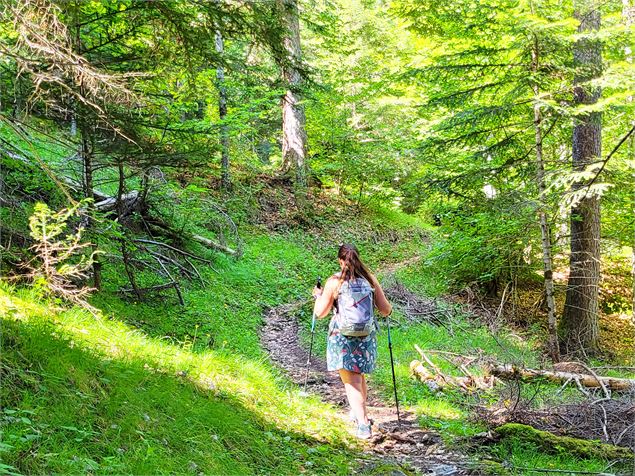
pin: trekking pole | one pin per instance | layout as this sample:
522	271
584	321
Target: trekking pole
318	284
392	366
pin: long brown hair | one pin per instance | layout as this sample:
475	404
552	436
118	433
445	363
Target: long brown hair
353	266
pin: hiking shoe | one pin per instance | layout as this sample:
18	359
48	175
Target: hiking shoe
364	432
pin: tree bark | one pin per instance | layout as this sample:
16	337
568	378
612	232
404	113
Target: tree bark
122	240
222	114
294	137
86	154
580	319
547	261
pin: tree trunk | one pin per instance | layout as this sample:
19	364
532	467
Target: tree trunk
547	262
122	240
633	244
628	14
222	114
580	318
86	155
294	137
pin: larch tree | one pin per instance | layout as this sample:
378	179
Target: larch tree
580	318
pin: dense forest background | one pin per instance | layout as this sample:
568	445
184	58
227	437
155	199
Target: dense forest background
171	170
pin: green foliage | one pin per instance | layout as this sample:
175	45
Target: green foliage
424	107
487	243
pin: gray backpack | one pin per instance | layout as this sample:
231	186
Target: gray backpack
355	308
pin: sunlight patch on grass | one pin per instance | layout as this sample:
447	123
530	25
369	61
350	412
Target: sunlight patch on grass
438	409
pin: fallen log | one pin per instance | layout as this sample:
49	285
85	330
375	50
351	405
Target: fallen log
553	444
105	203
513	372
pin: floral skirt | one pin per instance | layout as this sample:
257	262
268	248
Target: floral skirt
356	354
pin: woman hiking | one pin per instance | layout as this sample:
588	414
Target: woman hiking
353	293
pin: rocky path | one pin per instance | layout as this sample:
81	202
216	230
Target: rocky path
404	443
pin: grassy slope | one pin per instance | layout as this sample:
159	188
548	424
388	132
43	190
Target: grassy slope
153	387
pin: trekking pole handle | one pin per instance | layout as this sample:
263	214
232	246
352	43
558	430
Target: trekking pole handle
318	284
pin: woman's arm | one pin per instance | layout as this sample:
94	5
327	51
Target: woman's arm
324	301
381	303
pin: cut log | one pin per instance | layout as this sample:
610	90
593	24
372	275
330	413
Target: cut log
512	372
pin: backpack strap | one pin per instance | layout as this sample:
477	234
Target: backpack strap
337	293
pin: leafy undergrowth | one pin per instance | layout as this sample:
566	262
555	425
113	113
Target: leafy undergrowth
153	387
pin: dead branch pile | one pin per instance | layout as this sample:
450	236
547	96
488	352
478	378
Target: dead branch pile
416	308
431	375
584	377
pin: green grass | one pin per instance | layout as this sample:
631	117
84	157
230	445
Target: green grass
520	457
153	387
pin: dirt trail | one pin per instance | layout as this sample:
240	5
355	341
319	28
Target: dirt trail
406	444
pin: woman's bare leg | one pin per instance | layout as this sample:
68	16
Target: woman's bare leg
354	386
365	393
